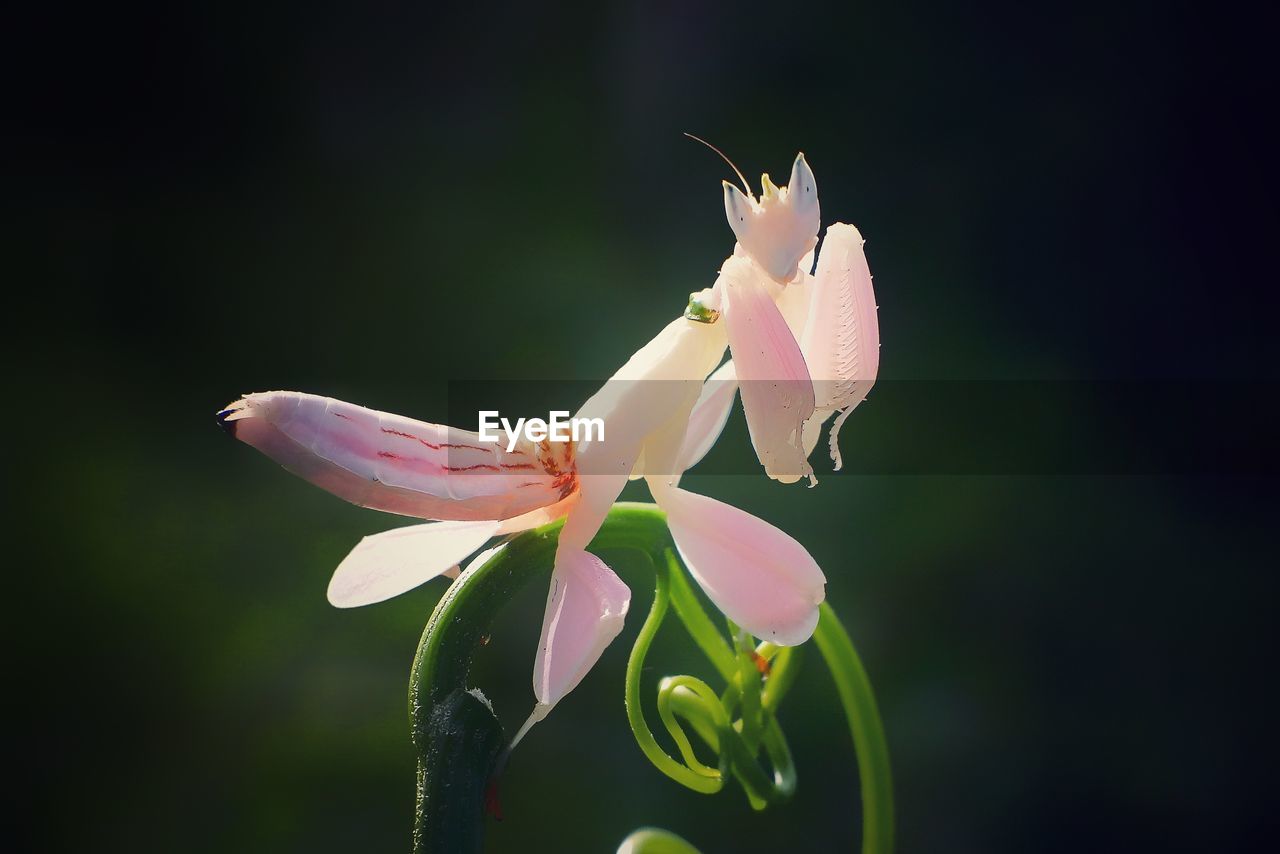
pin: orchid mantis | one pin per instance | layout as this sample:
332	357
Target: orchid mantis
804	345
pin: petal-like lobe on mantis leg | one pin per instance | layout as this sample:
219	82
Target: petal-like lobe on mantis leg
585	611
394	464
539	517
777	394
758	576
782	227
710	413
659	383
396	561
841	339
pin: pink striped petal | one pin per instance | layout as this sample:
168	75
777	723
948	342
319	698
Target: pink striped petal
758	576
777	394
394	464
396	561
585	611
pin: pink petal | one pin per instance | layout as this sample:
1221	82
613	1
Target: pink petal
709	415
395	464
777	393
758	576
585	611
393	562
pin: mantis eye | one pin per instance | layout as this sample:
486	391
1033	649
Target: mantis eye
802	189
702	307
737	207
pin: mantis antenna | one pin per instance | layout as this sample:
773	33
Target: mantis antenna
745	186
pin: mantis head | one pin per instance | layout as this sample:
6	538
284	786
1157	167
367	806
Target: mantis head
782	226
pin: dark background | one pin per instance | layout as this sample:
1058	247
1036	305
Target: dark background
369	202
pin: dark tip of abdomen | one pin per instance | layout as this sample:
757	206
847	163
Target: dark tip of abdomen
229	426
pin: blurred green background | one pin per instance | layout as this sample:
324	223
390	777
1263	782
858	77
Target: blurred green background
370	202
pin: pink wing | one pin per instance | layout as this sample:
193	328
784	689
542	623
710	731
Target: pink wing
395	464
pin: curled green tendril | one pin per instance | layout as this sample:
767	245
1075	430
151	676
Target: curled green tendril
635	715
735	743
459	739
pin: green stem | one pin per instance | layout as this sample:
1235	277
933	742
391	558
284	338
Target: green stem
782	675
457	736
868	733
695	620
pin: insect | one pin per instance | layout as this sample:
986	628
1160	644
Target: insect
804	346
